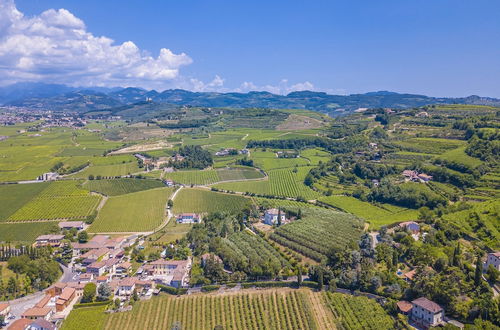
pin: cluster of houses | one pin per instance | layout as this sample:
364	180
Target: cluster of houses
160	162
231	151
188	218
415	176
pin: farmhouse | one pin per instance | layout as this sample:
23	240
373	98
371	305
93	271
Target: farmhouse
67	225
271	217
50	176
169	183
492	259
416	177
169	272
411	226
49	240
426	312
188	218
404	307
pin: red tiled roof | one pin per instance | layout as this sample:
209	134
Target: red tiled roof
37	312
67	293
404	306
427	304
20	324
4	306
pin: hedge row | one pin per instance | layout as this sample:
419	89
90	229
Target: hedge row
91	304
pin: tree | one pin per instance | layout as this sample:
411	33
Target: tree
83	237
104	292
2	320
88	293
279	217
299	275
492	274
117	303
320	279
12	286
170	203
135	296
332	285
91	177
479	271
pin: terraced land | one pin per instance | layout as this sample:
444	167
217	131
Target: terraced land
25	232
136	212
123	186
238	173
59	200
377	216
204	201
318	232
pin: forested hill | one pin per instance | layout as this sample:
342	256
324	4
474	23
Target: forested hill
55	97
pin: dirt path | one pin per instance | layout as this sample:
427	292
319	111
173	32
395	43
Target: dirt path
323	316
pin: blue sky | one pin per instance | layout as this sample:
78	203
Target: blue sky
438	48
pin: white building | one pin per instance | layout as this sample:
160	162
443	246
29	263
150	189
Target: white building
271	217
426	312
50	176
188	218
492	259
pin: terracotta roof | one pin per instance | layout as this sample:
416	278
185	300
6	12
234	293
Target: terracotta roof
60	285
67	293
37	312
128	281
427	304
496	254
43	302
42	323
404	306
101	278
97	264
125	265
70	224
49	237
410	274
4	306
20	324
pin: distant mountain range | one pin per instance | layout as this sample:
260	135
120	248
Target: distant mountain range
61	97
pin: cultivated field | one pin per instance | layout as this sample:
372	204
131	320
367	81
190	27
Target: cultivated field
318	232
204	201
13	197
140	211
25	232
123	186
109	171
193	177
91	318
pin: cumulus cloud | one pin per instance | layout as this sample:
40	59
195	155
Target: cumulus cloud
55	46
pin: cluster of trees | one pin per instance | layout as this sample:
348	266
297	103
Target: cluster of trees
487	150
245	162
61	169
341	130
8	251
32	274
194	157
366	170
409	196
186	123
335	146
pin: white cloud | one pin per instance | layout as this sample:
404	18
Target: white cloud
56	47
282	88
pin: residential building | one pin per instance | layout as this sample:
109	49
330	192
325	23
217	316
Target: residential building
426	312
78	225
271	216
85	278
493	259
65	299
97	268
36	312
50	176
126	286
411	226
188	218
95	255
123	268
404	307
49	240
5	310
40	324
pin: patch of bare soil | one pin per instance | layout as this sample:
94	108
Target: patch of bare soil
297	122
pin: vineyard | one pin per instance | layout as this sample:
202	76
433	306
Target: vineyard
282	182
139	211
92	317
193	177
247	251
109	171
283	309
318	232
14	196
25	232
204	201
59	200
376	215
121	186
357	312
238	173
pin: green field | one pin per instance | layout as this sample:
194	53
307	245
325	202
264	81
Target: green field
123	186
91	318
458	155
14	196
318	232
376	215
204	201
25	232
193	177
136	212
238	173
109	171
281	182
